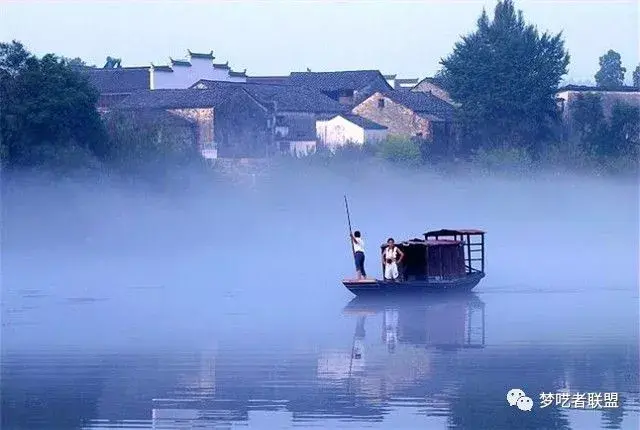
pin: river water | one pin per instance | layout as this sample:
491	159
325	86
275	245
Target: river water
185	328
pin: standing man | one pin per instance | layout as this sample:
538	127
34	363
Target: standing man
358	255
391	256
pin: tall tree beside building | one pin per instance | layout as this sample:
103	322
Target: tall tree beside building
46	109
636	77
611	73
505	75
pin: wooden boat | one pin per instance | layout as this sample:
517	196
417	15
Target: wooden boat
445	260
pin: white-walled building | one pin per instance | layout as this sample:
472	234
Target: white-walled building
347	128
184	73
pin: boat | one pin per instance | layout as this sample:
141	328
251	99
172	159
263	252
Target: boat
444	261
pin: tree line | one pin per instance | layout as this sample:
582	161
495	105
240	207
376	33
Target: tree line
505	76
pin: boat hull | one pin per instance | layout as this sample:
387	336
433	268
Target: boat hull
380	287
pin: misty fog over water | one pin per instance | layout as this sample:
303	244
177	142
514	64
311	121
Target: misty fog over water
219	305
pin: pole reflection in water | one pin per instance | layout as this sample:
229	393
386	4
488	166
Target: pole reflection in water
395	363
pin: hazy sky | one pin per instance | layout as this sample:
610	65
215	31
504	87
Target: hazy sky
275	37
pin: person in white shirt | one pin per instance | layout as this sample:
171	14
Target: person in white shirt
358	254
391	256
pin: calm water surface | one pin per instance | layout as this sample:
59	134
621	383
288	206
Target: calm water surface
149	358
173	330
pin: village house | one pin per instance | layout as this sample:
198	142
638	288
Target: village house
405	84
409	114
345	87
567	96
391	80
115	84
294	111
344	129
242	124
184	73
433	86
239	120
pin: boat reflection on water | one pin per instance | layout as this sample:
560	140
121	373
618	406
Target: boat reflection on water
413	337
433	322
396	363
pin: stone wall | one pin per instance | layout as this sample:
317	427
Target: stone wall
204	118
243	128
400	120
429	87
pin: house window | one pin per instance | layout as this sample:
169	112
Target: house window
380	103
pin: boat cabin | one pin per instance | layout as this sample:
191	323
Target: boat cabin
442	254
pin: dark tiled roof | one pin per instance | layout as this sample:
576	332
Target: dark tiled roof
180	62
288	98
422	103
390	76
407	81
431	80
221	66
161	68
176	98
279	80
208	56
167	118
238	74
109	100
335	81
118	80
362	122
625	89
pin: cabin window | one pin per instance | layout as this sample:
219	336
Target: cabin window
380	103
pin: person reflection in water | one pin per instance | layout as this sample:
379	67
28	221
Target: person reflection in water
390	324
358	344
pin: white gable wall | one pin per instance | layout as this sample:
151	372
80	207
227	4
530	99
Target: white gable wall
185	76
338	132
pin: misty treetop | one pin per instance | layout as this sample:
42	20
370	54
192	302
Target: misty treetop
611	73
636	77
505	75
45	108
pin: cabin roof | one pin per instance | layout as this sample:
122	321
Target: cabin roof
422	242
449	232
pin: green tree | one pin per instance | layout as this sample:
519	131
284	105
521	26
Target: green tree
636	77
505	75
149	140
46	109
624	131
611	73
75	62
588	122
